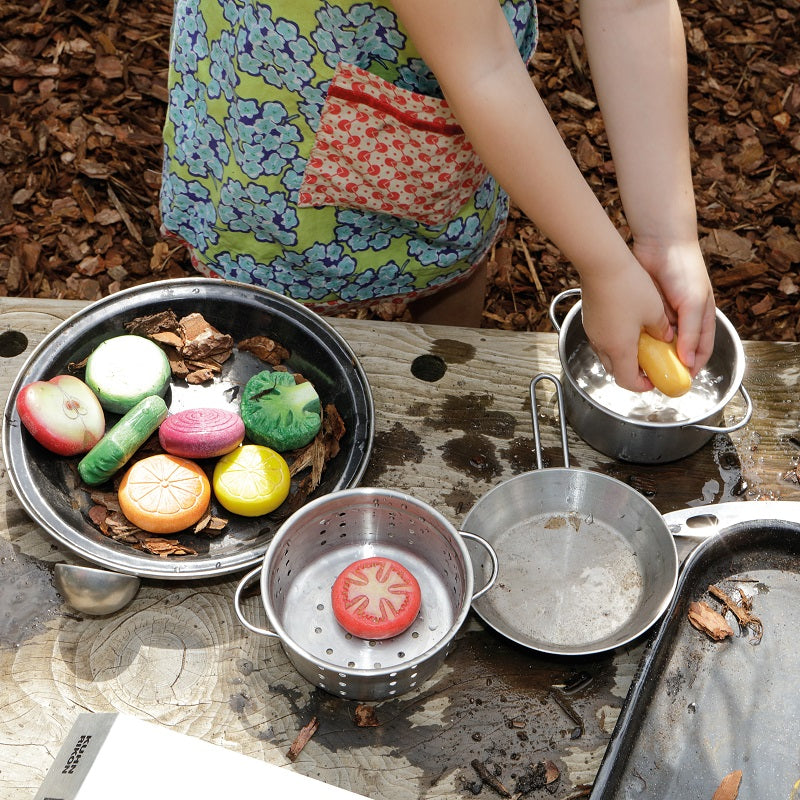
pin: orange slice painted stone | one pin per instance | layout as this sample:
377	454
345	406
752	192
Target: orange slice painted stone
164	493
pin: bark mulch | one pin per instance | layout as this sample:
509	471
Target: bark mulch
82	99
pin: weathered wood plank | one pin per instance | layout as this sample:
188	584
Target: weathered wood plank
178	654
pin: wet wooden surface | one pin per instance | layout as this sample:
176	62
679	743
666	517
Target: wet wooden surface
452	421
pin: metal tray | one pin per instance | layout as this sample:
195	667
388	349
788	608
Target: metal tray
48	486
699	709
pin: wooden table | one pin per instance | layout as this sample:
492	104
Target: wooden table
178	655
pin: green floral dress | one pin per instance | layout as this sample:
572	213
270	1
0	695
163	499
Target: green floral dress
307	149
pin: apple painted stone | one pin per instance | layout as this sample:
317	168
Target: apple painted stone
62	414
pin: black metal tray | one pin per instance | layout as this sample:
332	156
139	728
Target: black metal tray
699	709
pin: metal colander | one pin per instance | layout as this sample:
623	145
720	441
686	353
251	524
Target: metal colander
319	541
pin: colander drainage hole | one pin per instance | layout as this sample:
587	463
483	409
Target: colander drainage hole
415	635
351	663
377	665
320	607
401	654
317	630
329	651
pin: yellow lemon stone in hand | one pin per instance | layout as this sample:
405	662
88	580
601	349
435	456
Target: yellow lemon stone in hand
251	480
661	364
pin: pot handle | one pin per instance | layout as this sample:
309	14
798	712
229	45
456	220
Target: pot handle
555	302
748	412
237	604
492	554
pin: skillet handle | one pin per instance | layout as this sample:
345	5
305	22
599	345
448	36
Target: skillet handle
237	604
562	422
495	563
748	412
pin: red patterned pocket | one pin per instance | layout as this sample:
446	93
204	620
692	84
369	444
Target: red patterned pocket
386	149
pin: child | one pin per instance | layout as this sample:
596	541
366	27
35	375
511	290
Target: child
308	149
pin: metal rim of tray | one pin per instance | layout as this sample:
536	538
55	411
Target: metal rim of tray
53	352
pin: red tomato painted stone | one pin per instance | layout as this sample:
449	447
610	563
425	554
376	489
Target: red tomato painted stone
375	598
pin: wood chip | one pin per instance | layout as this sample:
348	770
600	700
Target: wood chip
490	780
203	342
196	350
709	621
302	738
153	324
159	546
321	449
742	611
210	525
365	716
728	788
265	349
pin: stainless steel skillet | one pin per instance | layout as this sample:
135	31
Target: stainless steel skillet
587	563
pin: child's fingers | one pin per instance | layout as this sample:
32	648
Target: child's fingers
628	375
696	330
625	370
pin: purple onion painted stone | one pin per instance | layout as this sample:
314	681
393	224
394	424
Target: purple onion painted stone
201	432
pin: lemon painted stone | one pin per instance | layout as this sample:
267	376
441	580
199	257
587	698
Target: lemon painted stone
251	480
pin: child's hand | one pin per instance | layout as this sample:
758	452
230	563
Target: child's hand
615	307
680	273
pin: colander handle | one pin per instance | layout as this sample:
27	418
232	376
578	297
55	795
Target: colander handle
748	412
492	555
237	604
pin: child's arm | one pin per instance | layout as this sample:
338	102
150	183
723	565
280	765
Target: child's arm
638	61
469	46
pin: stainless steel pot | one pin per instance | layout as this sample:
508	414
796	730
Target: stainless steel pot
319	541
587	564
646	428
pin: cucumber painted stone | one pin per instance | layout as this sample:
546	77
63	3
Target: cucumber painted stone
124	370
115	449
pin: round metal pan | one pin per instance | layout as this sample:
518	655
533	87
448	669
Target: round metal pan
48	486
587	564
